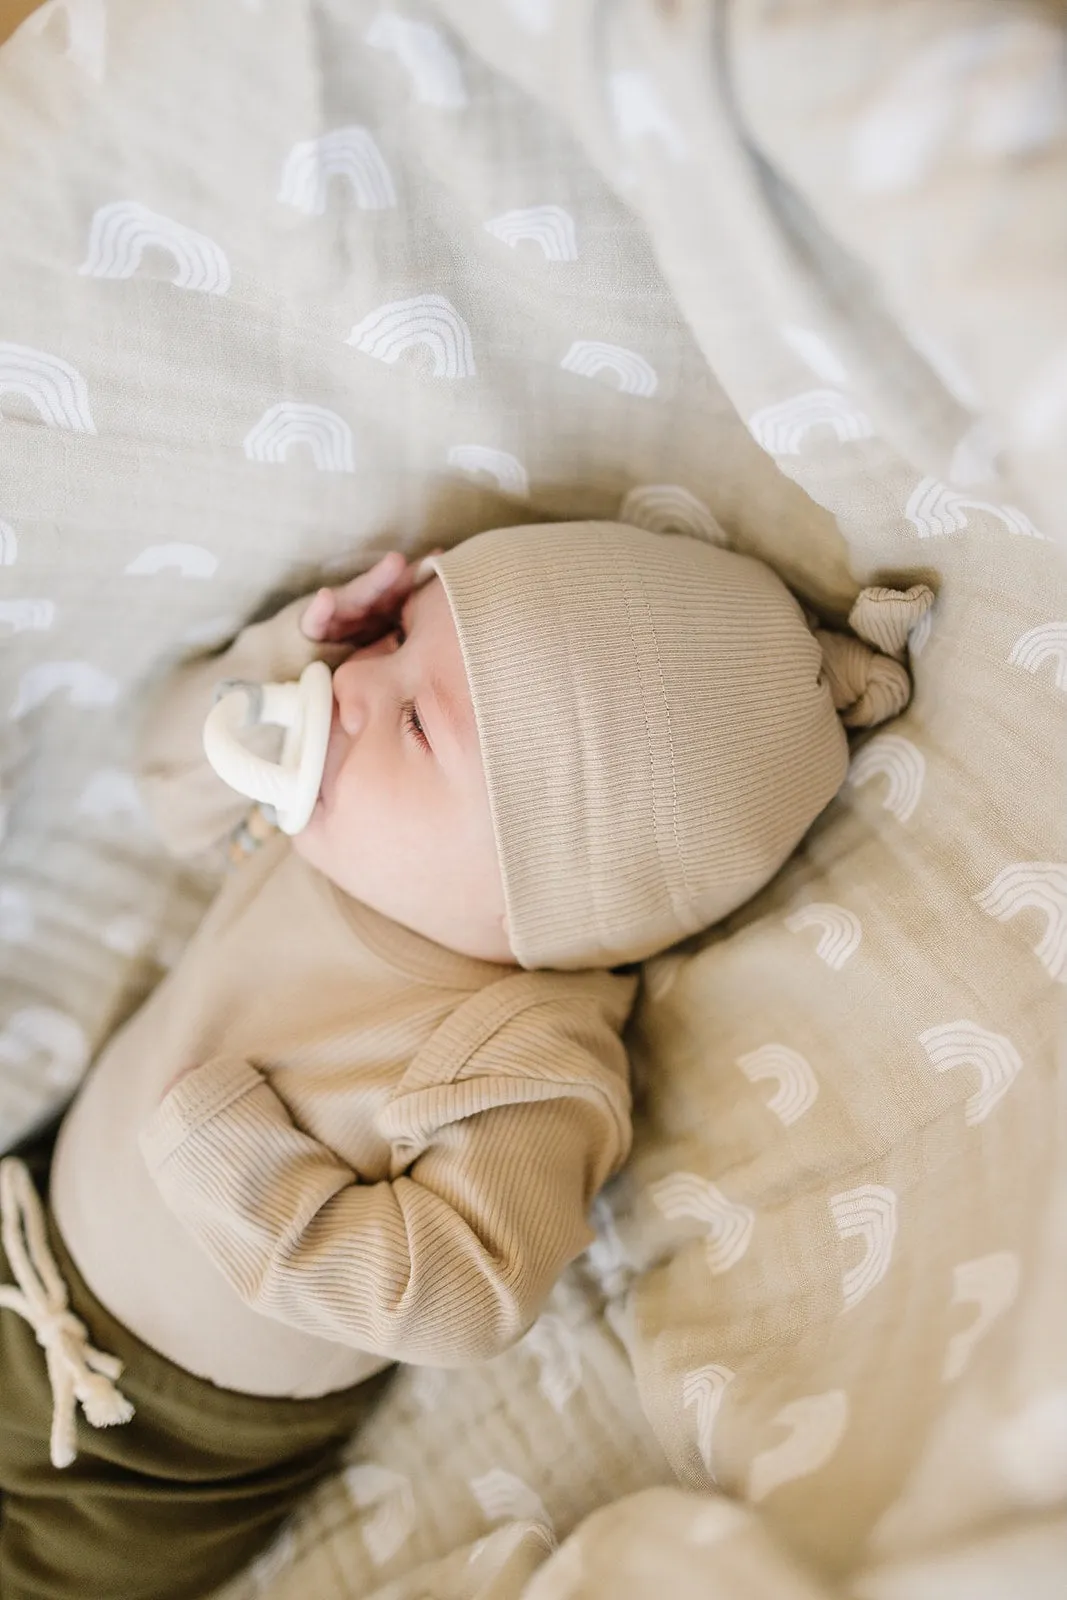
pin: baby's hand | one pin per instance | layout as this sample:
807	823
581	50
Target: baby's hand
364	609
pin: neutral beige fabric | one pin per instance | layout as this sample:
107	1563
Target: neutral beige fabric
658	726
12	12
387	1151
764	319
868	689
933	154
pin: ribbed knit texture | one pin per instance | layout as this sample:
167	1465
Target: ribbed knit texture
657	724
387	1150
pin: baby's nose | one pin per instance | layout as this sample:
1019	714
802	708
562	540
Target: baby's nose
357	685
351	704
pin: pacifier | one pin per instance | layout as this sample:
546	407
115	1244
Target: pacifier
305	710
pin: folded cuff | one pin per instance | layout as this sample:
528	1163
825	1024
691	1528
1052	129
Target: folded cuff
194	1100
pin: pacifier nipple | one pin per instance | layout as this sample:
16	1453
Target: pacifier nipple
304	709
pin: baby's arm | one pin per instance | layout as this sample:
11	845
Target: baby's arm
192	807
446	1264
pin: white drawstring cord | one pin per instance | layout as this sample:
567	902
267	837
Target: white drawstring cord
76	1371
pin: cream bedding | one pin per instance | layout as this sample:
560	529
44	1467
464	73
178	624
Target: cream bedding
282	285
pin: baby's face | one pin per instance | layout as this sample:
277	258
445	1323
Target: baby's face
403	822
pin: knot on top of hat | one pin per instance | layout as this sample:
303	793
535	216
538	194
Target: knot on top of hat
865	670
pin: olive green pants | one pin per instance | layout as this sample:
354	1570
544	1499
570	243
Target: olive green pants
166	1506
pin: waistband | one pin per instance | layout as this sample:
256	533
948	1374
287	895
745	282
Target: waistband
52	1297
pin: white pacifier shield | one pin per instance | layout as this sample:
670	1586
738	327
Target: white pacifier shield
304	710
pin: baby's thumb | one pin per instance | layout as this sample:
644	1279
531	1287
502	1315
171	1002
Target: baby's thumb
866	675
316	616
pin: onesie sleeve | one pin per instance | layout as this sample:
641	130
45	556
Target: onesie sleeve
192	808
449	1261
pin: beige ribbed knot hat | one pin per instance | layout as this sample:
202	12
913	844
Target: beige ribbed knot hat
657	724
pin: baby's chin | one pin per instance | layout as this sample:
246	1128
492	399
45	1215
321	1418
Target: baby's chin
317	846
308	842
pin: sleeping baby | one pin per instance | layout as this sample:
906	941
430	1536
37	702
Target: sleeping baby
362	1120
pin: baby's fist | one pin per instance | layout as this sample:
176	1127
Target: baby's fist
362	610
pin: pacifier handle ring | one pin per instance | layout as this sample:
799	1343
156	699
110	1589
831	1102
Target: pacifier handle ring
304	710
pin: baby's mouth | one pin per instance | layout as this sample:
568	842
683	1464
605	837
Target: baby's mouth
334	757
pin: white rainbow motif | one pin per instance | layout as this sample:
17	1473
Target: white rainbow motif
556	1352
946	366
606	1257
933	98
868	1213
427	1386
990	1283
278	1555
426	319
640	113
501	1494
729	1224
919	637
111	792
713	1521
814	351
426	57
9	545
549	227
1031	1450
816	1424
780	429
55	389
952	1045
841	933
668	508
43	1030
1034	886
935	510
1045	643
500	1545
85	684
590	357
351	153
890	756
536	16
508	470
27	615
127	934
191	560
86	32
327	436
797	1086
895	139
389	1496
16	915
122	232
703	1390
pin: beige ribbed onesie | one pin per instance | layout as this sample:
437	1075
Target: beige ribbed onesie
387	1151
